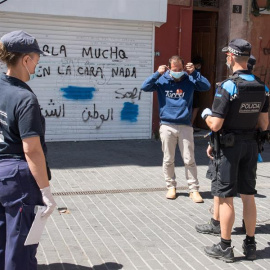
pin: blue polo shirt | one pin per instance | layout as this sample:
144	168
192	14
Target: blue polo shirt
20	117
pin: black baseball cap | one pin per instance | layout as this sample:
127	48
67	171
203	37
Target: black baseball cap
21	42
239	47
197	60
251	62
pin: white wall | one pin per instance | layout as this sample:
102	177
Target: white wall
140	10
89	88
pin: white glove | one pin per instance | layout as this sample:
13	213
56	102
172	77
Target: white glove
48	200
205	113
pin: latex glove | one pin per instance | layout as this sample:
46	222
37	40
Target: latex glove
205	112
48	200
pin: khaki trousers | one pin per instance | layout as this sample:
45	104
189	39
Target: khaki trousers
170	136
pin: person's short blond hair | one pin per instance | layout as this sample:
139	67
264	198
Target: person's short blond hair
9	58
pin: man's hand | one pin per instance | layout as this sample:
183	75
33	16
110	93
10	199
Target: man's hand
209	152
162	69
190	68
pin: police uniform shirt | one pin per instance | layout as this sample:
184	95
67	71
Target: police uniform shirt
227	92
20	117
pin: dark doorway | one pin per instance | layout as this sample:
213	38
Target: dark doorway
204	32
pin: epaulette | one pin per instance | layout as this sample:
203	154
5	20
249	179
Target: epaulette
235	78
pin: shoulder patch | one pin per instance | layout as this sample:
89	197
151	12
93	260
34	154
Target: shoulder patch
247	77
230	87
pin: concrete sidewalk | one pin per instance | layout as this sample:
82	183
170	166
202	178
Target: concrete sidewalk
118	217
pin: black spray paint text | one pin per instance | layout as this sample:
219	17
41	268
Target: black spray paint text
113	53
91	71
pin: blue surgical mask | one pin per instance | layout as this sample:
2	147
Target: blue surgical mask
177	75
33	76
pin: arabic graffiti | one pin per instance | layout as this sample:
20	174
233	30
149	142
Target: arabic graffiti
109	72
87	114
60	112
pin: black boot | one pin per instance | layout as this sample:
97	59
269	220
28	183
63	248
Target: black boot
209	228
249	250
217	252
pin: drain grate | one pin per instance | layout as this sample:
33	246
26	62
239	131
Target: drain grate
112	191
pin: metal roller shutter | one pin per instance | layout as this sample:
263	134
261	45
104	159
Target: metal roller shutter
89	89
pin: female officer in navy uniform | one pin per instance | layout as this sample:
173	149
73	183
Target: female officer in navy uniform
24	179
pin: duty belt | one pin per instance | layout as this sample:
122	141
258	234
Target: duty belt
229	139
246	136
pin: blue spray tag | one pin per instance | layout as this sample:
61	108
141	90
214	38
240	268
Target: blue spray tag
260	158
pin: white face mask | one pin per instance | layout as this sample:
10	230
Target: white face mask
228	65
177	75
33	76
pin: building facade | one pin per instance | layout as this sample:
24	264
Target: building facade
101	52
202	28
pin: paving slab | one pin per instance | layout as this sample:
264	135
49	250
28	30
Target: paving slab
118	216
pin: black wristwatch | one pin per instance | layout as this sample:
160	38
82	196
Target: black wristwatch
204	118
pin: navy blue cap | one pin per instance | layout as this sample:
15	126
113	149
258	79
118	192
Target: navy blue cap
239	47
21	42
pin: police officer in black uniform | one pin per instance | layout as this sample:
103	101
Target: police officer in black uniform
240	107
213	226
24	178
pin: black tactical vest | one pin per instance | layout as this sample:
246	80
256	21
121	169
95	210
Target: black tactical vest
245	105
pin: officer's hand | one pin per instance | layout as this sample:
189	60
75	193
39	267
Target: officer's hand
162	69
48	200
190	68
209	152
206	112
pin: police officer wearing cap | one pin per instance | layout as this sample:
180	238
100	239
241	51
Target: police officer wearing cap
213	226
24	178
240	107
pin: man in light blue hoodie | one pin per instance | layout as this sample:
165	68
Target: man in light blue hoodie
175	87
